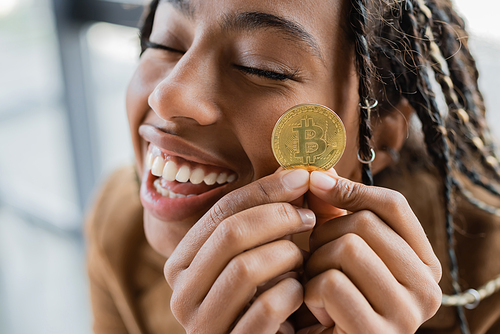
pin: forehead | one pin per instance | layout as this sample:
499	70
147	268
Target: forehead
318	23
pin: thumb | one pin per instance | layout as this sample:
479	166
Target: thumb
323	210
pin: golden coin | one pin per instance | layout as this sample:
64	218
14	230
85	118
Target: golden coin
309	136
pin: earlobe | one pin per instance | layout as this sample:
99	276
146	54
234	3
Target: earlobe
390	132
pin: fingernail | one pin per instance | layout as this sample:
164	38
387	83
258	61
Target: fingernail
307	216
333	171
296	179
322	181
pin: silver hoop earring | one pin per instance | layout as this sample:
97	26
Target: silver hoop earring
369	161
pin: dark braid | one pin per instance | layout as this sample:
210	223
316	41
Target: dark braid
435	134
365	68
477	134
465	82
458	115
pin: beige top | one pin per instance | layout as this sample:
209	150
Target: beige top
130	295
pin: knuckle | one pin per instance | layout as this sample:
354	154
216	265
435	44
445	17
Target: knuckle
286	212
240	268
366	221
431	299
171	270
332	281
367	216
396	200
436	269
349	191
352	246
178	306
268	307
229	232
435	300
425	302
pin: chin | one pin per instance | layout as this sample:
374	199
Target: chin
164	236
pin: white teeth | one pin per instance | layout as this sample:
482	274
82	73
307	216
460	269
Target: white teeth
157	168
183	174
167	193
149	160
222	178
170	171
197	176
210	178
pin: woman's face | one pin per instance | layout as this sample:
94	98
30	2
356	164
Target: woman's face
206	105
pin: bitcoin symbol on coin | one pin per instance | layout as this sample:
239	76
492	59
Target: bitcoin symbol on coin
308	136
311	145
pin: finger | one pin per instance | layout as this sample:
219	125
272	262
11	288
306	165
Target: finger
238	233
352	255
334	299
284	186
395	252
389	205
238	283
323	210
271	309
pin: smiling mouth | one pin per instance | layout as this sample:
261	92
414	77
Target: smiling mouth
179	178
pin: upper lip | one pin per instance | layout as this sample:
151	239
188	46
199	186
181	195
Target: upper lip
176	146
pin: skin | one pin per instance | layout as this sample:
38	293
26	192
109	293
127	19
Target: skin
363	247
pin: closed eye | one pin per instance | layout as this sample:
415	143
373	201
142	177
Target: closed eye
154	45
265	73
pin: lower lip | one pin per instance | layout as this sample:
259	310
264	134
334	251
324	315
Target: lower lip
176	209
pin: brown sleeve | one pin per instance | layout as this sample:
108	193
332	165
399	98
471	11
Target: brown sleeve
107	319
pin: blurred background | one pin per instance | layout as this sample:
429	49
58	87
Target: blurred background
64	68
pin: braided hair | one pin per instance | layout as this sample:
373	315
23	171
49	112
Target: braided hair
423	44
417	50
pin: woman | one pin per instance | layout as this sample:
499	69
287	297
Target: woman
244	254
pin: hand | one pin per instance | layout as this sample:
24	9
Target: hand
233	249
371	271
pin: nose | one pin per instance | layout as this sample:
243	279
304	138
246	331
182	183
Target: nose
187	92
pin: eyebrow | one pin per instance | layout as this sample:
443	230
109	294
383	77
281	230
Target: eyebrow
250	21
183	5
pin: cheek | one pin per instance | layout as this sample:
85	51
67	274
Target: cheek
141	85
254	123
136	109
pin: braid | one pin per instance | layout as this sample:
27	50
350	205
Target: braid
365	68
459	58
435	134
459	117
457	114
